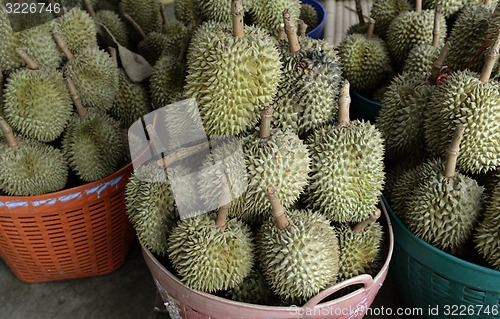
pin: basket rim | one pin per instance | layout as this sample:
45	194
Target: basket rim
364	99
320	8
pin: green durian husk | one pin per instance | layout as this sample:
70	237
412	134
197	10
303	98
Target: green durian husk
9	60
307	95
93	145
31	168
421	58
347	171
78	30
116	26
443	211
463	98
364	62
309	15
357	29
167	81
151	207
209	258
219	10
232	79
401	120
146	13
300	260
409	29
39	44
358	251
177	37
187	11
385	11
131	101
487	234
151	48
37	103
254	290
448	7
269	14
96	78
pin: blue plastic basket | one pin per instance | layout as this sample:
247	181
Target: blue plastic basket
317	33
432	280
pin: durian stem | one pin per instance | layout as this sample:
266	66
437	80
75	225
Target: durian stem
354	11
238	26
8	133
164	17
491	59
265	122
75	96
344	103
371	28
438	64
27	59
278	210
114	56
453	151
89	8
225	202
183	52
302	28
418	6
359	12
436	32
62	45
488	2
291	32
360	227
2	81
281	33
135	25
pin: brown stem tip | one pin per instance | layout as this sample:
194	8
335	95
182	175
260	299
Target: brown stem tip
238	12
453	151
360	227
75	96
61	44
491	59
8	133
224	203
21	52
291	32
135	25
278	210
265	122
344	103
89	7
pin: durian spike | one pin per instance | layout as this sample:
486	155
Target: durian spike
2	80
418	6
302	28
89	8
436	32
359	12
453	151
278	210
238	26
62	45
225	202
360	227
491	59
344	103
75	97
114	56
291	32
371	28
164	17
135	25
281	32
8	133
438	64
265	122
27	59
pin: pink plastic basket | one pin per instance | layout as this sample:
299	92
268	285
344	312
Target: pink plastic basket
183	302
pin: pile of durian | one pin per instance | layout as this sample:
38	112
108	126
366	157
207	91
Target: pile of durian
440	116
309	177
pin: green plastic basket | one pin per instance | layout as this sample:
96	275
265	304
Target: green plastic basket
364	108
439	284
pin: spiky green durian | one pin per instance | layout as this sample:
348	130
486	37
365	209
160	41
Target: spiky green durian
37	103
232	78
254	290
112	21
39	44
96	77
93	145
209	257
131	101
448	7
358	249
347	167
150	206
357	29
8	57
78	30
31	168
167	81
187	11
151	48
269	14
219	10
384	11
146	13
307	95
421	58
309	15
409	29
401	120
463	98
487	236
299	257
177	38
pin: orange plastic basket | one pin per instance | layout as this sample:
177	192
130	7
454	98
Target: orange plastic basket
75	233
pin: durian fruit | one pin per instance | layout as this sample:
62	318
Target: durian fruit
151	47
365	60
92	142
361	27
178	37
220	10
298	251
385	11
487	235
422	56
269	14
347	167
254	290
449	7
151	207
276	157
307	95
30	168
37	102
167	80
443	209
187	11
212	255
8	45
114	23
309	15
78	30
359	246
472	100
146	13
232	76
409	29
